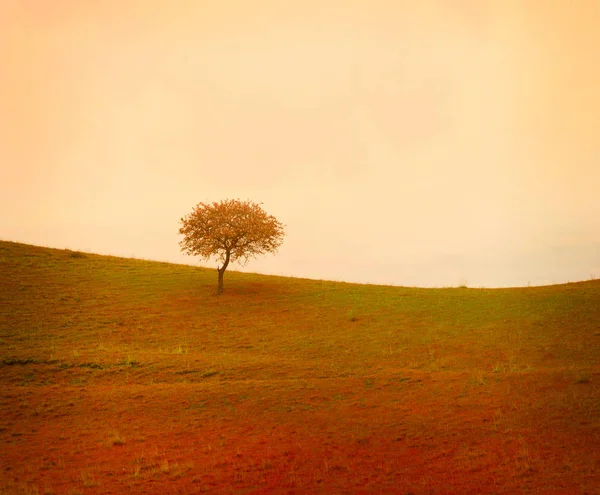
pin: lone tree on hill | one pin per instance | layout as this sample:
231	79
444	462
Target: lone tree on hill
231	230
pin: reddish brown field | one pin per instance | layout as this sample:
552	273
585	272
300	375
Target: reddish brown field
128	376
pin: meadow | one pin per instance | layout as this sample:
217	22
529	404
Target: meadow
130	376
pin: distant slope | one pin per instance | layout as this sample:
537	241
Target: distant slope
139	305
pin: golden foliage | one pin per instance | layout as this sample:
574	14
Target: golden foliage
231	230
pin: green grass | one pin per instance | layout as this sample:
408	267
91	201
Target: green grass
107	355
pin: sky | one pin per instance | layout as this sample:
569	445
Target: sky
426	143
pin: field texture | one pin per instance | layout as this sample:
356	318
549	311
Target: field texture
129	376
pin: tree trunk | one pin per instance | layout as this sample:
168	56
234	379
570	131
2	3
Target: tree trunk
221	272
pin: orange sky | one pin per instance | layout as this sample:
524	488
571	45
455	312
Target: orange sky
420	143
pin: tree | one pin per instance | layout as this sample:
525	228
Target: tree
231	230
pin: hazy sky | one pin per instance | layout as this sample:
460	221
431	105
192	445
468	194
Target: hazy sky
429	143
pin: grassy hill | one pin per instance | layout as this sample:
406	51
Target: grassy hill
122	375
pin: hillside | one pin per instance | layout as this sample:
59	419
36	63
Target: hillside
123	375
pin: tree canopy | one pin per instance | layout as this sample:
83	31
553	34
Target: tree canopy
230	230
